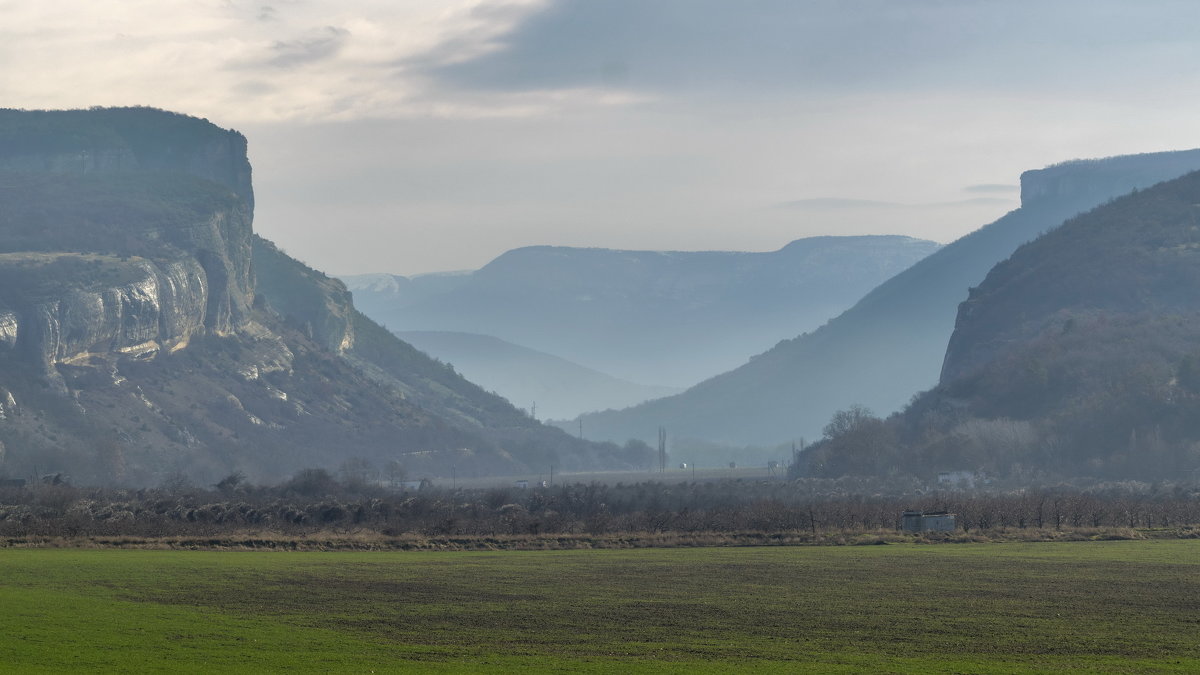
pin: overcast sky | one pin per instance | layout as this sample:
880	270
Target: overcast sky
429	135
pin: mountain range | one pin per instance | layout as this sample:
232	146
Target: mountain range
665	318
891	343
549	386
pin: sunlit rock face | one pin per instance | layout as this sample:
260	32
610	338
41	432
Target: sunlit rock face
155	306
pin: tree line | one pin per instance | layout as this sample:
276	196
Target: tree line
315	501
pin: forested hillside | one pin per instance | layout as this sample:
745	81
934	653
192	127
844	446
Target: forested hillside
1077	356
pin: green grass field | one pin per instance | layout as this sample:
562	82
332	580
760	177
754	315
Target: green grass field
1126	606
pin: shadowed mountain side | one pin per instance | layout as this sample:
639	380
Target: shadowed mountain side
559	388
1075	357
668	317
320	307
891	344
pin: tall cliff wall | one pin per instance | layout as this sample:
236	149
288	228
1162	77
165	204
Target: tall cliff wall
133	308
156	209
124	139
1097	180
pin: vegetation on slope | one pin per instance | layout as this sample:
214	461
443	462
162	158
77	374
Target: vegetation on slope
892	343
292	378
123	213
1075	357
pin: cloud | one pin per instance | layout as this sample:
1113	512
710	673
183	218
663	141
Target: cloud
831	45
438	133
993	188
478	58
838	203
324	43
322	61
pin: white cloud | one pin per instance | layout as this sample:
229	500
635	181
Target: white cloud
248	61
435	134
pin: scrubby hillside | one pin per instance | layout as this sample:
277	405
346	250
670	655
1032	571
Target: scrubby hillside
1077	356
145	331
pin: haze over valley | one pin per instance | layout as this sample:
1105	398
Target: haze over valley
544	336
651	317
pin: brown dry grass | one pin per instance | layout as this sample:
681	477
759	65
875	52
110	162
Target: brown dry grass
366	540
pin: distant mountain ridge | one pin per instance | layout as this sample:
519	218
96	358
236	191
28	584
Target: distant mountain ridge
663	317
557	388
891	344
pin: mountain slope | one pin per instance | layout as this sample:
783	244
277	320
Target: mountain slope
645	316
559	388
891	343
145	330
1077	356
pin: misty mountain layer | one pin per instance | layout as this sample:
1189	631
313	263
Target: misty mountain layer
651	317
557	388
890	344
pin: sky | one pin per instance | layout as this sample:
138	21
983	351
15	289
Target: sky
428	135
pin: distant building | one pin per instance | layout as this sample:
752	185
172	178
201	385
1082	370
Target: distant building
957	478
927	521
522	484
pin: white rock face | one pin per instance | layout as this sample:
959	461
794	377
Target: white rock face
163	307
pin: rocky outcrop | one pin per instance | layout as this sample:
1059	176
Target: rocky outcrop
221	246
124	139
1097	180
125	236
172	191
319	304
156	306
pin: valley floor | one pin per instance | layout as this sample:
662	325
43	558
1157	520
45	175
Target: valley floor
1116	606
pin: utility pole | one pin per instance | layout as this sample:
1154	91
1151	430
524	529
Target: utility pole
662	449
551	474
581	428
533	410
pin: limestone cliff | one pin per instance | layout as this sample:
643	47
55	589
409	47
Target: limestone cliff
1097	180
128	284
136	308
93	182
